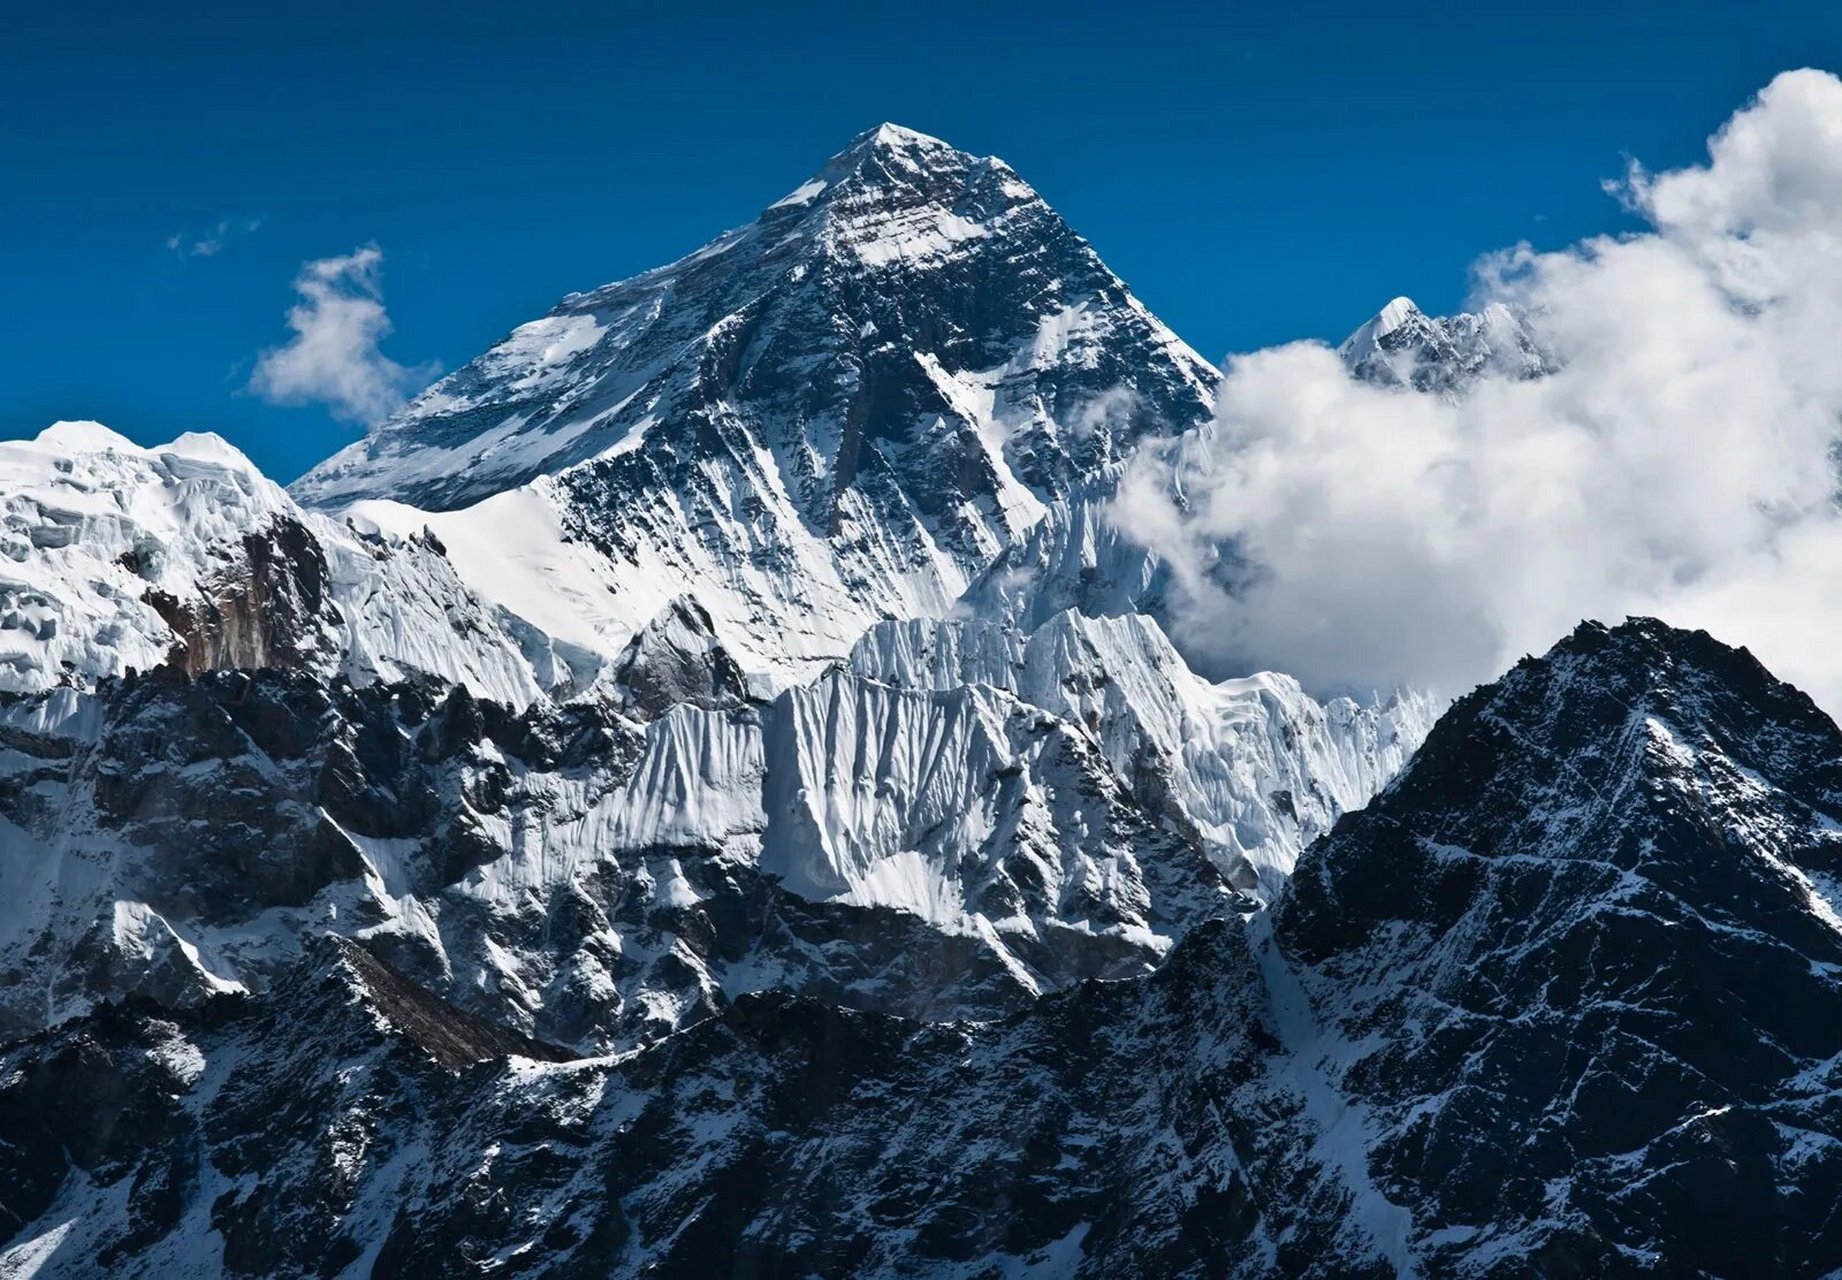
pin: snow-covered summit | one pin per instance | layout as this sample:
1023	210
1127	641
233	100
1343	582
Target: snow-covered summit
842	412
1403	346
970	265
889	145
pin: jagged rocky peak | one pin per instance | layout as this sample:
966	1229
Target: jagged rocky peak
905	282
1402	346
1588	943
1607	708
677	658
1623	752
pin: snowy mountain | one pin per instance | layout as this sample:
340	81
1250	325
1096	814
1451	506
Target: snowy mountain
1564	996
840	413
708	786
597	795
122	558
1404	347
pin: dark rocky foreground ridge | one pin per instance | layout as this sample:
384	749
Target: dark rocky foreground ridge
1563	1001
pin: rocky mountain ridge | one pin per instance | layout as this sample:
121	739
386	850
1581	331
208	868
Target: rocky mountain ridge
839	413
722	729
1473	1037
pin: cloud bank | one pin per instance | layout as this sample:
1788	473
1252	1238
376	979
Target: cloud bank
334	357
1682	461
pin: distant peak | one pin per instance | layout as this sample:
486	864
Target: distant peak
83	437
1367	340
1394	315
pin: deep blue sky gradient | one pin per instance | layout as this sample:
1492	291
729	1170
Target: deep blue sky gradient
1256	173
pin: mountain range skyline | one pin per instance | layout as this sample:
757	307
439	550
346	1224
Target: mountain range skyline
858	751
1275	179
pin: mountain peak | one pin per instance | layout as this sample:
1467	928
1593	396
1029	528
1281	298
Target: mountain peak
1576	750
869	330
1402	346
1375	333
1398	312
892	168
891	137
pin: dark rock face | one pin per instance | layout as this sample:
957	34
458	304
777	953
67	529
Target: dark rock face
267	609
1564	1001
1598	905
676	658
346	1130
230	803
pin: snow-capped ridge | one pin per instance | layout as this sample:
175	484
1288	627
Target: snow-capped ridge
119	557
1401	346
842	412
1252	769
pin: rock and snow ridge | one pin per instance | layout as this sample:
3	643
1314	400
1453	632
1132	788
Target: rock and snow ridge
1401	346
121	558
597	851
840	413
576	755
1564	997
921	833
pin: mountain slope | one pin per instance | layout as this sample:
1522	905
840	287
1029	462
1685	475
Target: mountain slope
839	413
1591	936
598	872
1564	997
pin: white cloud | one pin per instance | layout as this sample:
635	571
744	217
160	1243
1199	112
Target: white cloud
211	242
1681	461
334	356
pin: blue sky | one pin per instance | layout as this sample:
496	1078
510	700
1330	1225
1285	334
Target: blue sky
1256	173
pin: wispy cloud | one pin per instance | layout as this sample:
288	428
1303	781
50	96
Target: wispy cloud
334	357
1681	460
211	242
